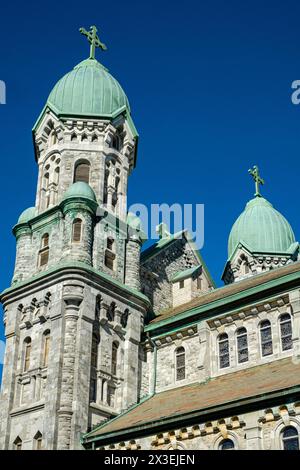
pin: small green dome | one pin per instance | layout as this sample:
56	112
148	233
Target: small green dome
88	90
27	215
80	190
262	228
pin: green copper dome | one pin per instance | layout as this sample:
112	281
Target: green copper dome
27	215
88	90
80	190
262	228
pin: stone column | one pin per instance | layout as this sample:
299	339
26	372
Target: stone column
23	258
253	431
132	268
294	297
72	296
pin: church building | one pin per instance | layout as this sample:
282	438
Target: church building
112	346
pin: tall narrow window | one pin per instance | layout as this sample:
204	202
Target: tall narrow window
18	444
114	358
94	358
77	229
93	391
38	441
242	345
286	332
224	360
27	353
109	257
266	338
82	172
46	349
180	363
44	251
226	444
290	438
111	396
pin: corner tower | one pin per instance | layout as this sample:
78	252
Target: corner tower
261	239
74	312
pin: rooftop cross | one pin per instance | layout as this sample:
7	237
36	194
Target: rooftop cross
94	40
257	178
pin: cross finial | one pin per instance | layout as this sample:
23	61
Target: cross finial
94	40
257	178
162	231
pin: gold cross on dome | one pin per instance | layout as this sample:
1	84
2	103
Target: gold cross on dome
94	40
254	172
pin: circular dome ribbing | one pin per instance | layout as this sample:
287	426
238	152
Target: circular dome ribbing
88	90
262	228
80	190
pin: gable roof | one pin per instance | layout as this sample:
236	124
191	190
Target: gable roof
163	243
229	294
180	275
224	392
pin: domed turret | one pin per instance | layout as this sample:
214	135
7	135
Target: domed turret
262	228
260	239
27	215
88	90
80	190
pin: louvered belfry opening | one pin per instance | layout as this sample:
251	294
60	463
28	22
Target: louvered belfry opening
82	172
77	227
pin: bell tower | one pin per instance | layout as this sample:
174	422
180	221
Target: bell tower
74	312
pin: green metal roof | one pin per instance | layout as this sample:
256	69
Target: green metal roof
88	90
80	189
185	274
262	228
27	215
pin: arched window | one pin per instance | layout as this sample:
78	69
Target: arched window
110	256
46	344
286	332
224	360
27	353
226	444
44	251
266	338
38	441
18	443
77	229
242	345
290	438
180	363
111	391
82	172
114	358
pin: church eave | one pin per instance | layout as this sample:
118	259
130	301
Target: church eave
284	278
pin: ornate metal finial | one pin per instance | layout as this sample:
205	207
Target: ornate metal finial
162	231
94	40
257	178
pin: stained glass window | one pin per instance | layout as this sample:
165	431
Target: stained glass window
242	345
266	338
286	332
180	364
290	438
224	360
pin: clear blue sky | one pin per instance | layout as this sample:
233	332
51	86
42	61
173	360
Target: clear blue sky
209	85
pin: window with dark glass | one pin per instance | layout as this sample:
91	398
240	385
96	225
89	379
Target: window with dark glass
242	345
290	438
180	363
226	444
114	358
286	332
44	251
266	338
224	360
77	226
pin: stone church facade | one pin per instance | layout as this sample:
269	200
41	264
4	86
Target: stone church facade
109	346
